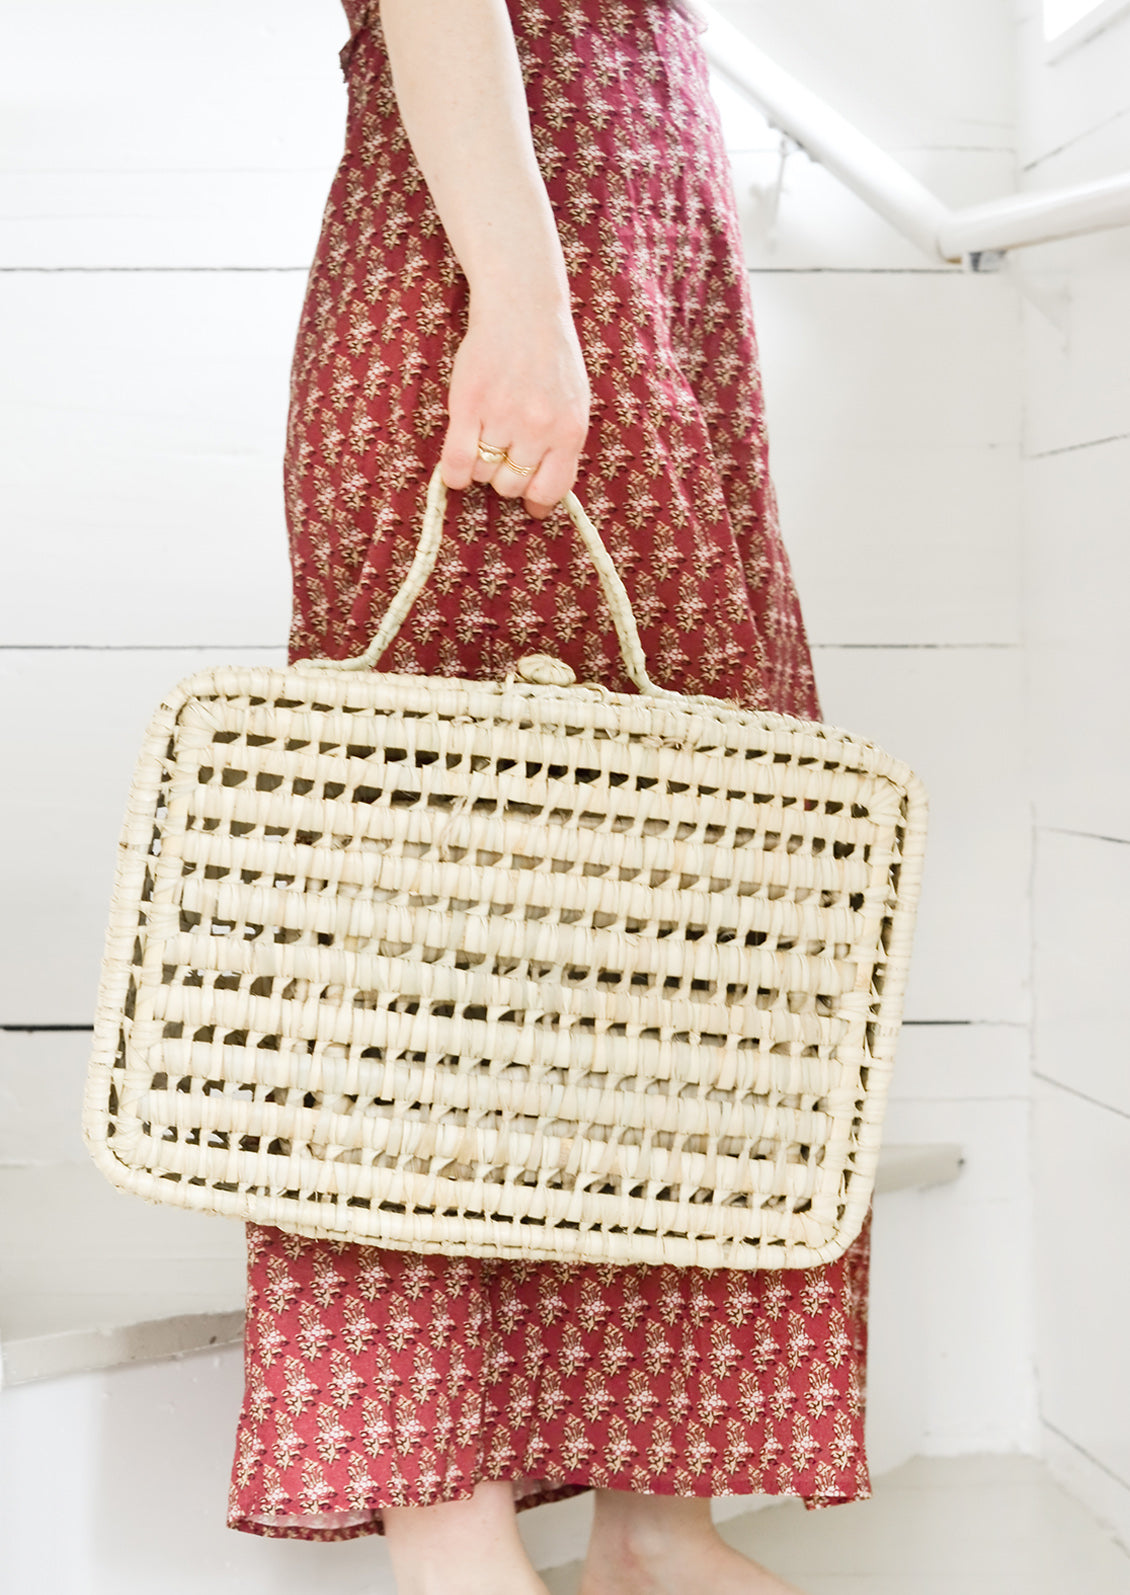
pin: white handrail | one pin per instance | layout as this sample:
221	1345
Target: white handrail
1037	218
944	234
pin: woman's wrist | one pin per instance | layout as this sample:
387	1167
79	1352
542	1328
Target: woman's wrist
517	260
511	292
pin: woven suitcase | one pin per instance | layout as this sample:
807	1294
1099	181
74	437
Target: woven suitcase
514	969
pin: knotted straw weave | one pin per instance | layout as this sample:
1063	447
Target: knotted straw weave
517	968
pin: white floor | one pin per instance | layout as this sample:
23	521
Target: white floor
961	1526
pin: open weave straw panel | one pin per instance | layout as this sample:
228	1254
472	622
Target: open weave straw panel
505	969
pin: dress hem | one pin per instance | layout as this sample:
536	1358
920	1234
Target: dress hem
243	1523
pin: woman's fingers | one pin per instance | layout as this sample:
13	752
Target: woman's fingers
548	485
460	453
547	476
491	455
514	472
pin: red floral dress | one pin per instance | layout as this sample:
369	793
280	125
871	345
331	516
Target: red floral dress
376	1376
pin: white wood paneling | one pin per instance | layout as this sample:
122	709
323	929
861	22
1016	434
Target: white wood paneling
1082	953
1061	101
915	544
138	220
144	417
889	361
1078	373
136	87
973	1265
1083	1285
961	1062
75	720
953	716
118	1260
42	1074
897	1415
1075	126
266	218
907	75
1078	570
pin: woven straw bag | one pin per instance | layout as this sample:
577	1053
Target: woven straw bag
514	969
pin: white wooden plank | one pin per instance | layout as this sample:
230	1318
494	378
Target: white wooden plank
199	87
118	1259
144	421
953	715
1078	385
211	86
145	219
1061	101
889	360
1078	381
269	217
962	1062
41	1085
899	541
1082	1153
1081	954
1079	372
819	223
973	1247
905	74
73	730
1078	571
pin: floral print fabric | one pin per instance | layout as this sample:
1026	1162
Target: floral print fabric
379	1377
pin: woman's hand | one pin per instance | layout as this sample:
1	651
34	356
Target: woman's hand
519	379
518	384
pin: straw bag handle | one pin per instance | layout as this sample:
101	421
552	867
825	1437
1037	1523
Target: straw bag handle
427	551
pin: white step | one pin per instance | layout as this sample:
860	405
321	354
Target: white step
989	1525
91	1277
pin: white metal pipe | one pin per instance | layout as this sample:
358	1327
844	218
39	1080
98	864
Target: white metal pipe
826	135
1037	218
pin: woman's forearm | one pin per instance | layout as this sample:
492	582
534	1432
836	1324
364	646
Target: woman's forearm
462	101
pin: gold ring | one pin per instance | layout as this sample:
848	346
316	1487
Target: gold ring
522	470
488	452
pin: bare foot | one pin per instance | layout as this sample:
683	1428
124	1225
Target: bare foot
464	1547
702	1564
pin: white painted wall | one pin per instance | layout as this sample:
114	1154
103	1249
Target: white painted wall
164	173
894	409
1074	125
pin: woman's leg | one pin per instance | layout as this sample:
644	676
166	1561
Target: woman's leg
461	1547
666	1545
